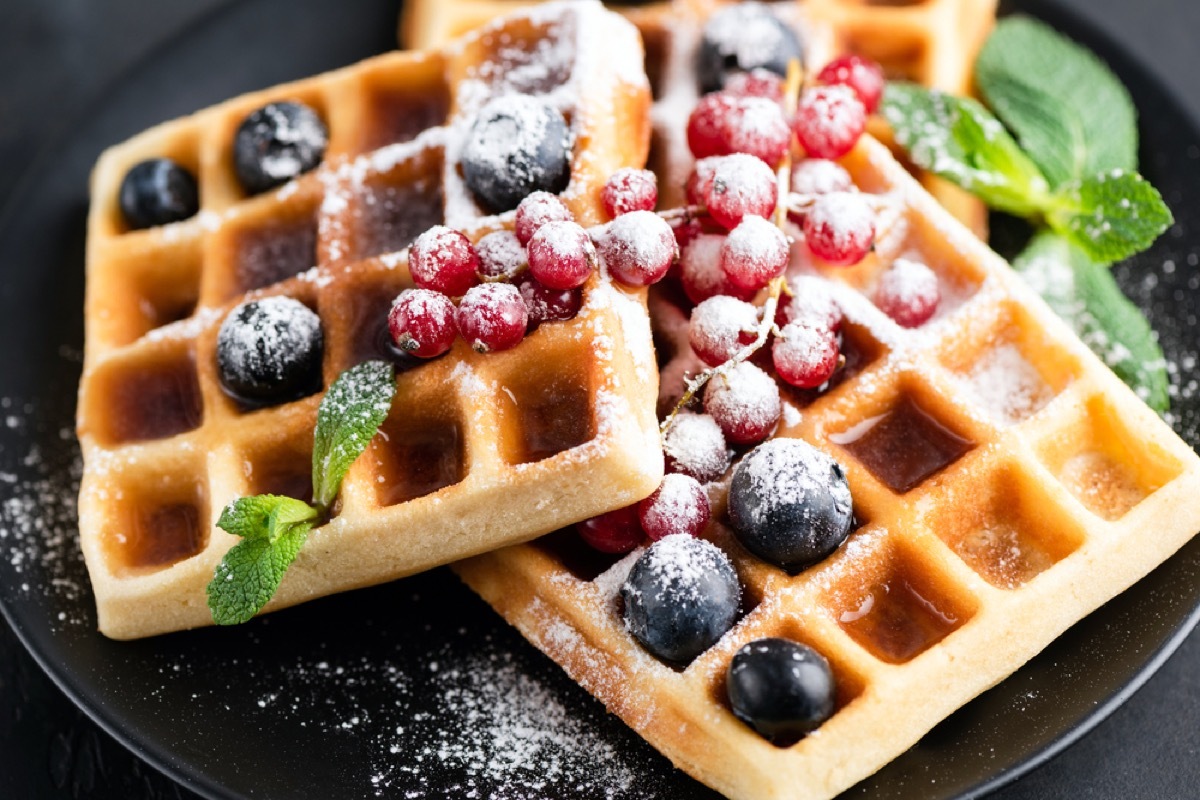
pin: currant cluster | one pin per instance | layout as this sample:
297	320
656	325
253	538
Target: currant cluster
512	281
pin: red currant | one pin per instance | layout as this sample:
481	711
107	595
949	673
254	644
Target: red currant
699	182
630	190
536	210
705	125
720	327
840	228
694	445
722	124
814	176
741	185
561	255
757	82
443	260
753	253
501	256
492	316
422	322
548	305
678	505
862	75
805	355
615	532
744	402
829	121
908	293
811	303
638	248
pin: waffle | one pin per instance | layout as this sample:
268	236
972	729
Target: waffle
1004	481
478	452
931	42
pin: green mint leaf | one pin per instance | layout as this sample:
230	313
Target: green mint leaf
961	141
1071	114
348	418
1085	294
1111	216
273	529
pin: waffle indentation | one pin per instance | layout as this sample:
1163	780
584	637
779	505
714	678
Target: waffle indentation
554	412
421	449
152	395
156	521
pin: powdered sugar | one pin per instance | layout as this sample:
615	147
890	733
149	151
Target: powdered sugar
743	400
789	471
814	176
720	327
695	445
1007	385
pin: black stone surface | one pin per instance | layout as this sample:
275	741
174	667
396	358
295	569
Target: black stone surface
55	58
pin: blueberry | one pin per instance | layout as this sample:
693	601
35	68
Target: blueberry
156	192
276	143
681	596
517	146
790	504
743	37
269	351
780	688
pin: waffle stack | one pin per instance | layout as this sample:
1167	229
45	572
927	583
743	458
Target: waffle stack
931	42
1003	482
479	451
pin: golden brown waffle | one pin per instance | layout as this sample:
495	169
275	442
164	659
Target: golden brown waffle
1042	476
931	42
479	451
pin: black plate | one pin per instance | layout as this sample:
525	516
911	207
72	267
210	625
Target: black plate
416	687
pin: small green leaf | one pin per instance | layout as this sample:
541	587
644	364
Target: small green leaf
961	141
1071	114
1085	294
273	529
348	418
1111	216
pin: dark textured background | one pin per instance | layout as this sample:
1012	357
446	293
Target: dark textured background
55	53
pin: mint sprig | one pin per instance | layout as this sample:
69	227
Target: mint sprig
1070	170
273	527
1070	113
1085	294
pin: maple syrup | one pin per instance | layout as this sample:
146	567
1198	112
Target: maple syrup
897	620
903	446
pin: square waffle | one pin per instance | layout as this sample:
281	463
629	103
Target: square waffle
1003	480
931	42
478	452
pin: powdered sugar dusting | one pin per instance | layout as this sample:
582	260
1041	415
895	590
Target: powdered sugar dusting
1007	385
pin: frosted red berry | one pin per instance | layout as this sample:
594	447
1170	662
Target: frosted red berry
694	445
536	210
443	260
548	305
829	121
699	182
421	323
615	532
705	125
638	248
720	327
814	176
501	256
753	253
722	124
744	402
630	190
700	269
862	75
492	316
561	255
757	82
811	302
741	186
908	293
805	355
840	228
678	505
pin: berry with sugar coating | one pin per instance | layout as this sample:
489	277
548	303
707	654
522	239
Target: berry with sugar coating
829	121
157	191
617	531
908	293
862	75
681	596
517	145
744	37
422	323
811	303
678	505
805	355
548	305
561	255
753	253
741	186
744	402
638	248
492	316
694	445
630	190
277	143
814	176
501	256
535	211
443	260
757	82
840	228
789	504
720	327
722	124
269	351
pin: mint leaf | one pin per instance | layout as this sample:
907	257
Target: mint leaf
348	418
1071	114
961	141
1085	294
1111	216
273	529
